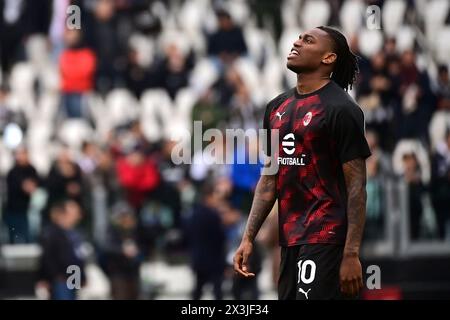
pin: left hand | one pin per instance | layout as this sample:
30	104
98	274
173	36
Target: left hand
350	275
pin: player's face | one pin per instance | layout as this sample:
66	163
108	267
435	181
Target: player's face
309	51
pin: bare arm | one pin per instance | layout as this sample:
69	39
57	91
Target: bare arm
263	201
351	270
355	180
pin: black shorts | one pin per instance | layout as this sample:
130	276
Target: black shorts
310	272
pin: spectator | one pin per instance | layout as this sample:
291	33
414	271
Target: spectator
64	181
440	184
206	238
123	254
378	170
61	248
77	66
227	43
443	88
418	102
22	180
138	176
172	73
106	38
416	189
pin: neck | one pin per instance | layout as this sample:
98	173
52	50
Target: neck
310	82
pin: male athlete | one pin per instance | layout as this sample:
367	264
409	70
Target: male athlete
320	183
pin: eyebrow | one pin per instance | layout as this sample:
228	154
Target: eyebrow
306	35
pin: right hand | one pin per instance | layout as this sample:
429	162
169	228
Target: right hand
241	258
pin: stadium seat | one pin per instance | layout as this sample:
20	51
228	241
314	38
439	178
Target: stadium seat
144	47
272	78
392	16
370	41
405	38
48	106
289	16
351	16
434	17
191	15
37	51
440	122
249	72
203	75
22	77
74	131
315	13
287	40
443	45
258	44
406	146
6	159
184	102
121	106
157	112
239	11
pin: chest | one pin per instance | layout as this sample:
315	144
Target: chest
300	119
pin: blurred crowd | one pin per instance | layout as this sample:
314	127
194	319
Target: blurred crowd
88	117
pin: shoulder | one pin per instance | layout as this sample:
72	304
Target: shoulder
339	102
278	100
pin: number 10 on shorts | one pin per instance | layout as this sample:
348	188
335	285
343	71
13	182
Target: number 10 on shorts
306	271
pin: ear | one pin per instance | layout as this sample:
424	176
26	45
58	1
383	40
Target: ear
329	58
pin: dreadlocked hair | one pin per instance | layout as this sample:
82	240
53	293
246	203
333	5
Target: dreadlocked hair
346	65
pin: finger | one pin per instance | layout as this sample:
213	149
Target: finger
354	287
239	266
357	286
244	261
347	287
237	262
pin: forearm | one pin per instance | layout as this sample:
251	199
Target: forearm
263	201
355	179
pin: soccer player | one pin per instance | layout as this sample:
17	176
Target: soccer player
320	182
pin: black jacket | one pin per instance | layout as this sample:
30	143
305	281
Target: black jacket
17	199
60	249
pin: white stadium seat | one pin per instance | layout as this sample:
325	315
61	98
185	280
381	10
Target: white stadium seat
406	146
351	16
315	13
434	16
392	16
157	111
370	41
121	106
443	45
405	38
74	131
203	75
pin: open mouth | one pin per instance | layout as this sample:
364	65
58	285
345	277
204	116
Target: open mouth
293	53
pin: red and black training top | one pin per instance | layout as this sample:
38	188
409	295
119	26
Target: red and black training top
318	132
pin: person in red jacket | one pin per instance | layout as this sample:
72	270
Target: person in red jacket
77	67
138	176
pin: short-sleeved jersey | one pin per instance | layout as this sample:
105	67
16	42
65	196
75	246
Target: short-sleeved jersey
318	132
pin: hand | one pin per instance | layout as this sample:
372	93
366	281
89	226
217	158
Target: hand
29	186
241	258
350	275
42	290
130	249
